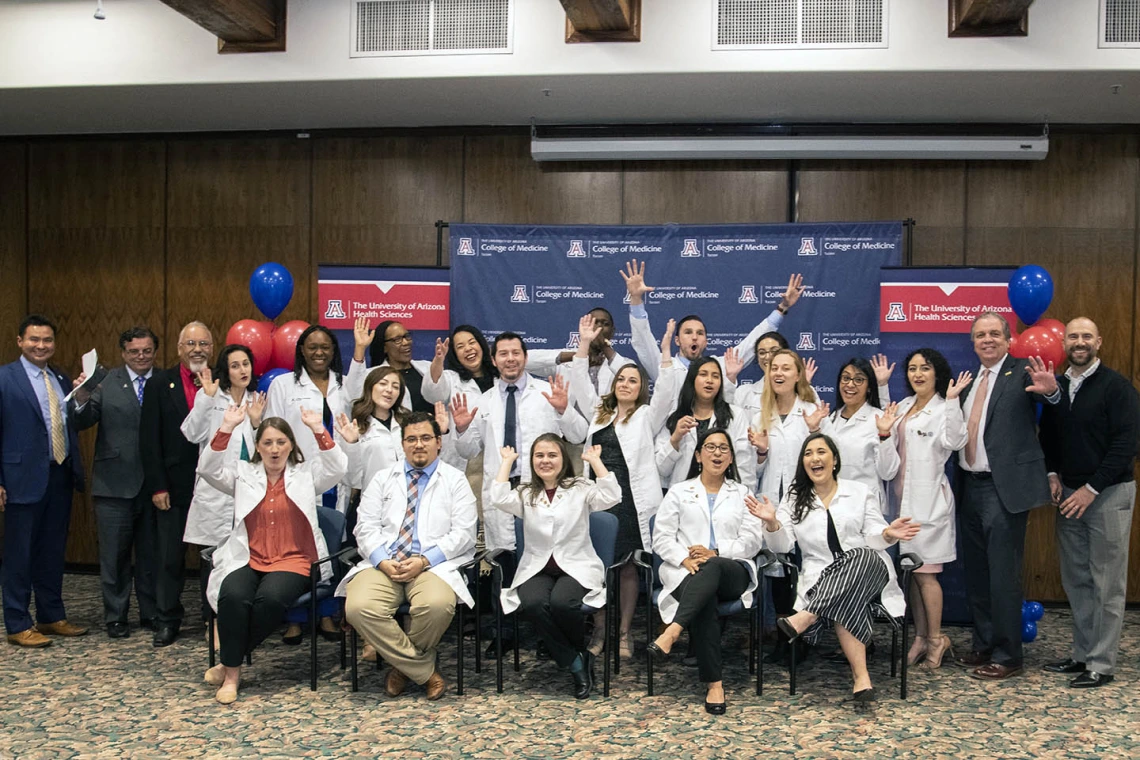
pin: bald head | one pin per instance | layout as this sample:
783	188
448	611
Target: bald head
195	346
1082	342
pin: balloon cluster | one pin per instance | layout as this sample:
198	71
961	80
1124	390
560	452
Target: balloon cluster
1030	293
1031	612
273	347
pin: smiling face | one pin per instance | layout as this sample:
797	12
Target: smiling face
386	391
990	340
819	462
468	351
317	353
715	454
195	347
138	354
707	382
37	344
240	370
1082	342
546	462
764	351
274	446
509	359
691	338
421	444
853	385
783	374
398	344
627	385
920	373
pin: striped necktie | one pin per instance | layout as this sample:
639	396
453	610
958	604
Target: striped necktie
58	439
407	528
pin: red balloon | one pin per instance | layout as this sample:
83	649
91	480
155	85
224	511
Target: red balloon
1055	326
285	343
249	332
1039	341
270	326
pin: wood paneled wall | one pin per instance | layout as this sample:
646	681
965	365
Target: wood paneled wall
104	234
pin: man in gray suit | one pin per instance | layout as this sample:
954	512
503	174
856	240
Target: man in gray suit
123	514
1003	470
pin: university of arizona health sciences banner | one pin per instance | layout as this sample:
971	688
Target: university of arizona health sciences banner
933	307
538	281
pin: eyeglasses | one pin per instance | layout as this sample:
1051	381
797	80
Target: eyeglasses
405	338
716	448
852	380
762	352
139	352
424	439
199	343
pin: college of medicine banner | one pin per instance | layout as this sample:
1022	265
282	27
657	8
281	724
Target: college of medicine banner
417	297
933	307
538	281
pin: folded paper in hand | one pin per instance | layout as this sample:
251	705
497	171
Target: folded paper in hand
95	373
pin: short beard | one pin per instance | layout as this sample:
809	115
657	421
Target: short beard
196	367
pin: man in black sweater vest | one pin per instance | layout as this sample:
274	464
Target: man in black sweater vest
1090	441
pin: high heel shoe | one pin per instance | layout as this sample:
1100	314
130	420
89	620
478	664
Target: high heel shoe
658	654
935	653
787	629
918	650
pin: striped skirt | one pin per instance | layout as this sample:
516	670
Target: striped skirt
844	592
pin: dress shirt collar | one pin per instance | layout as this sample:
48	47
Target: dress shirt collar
32	370
996	366
520	384
428	471
135	376
1082	376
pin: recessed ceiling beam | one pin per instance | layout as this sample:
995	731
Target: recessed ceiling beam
602	20
241	26
989	18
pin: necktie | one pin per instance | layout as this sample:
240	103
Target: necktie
404	538
140	381
58	439
510	421
975	420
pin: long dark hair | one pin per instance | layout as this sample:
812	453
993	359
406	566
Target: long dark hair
781	341
451	361
336	366
363	407
566	477
695	466
607	407
941	370
721	410
802	489
222	368
868	371
295	455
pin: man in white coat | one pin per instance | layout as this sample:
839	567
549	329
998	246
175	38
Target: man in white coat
415	527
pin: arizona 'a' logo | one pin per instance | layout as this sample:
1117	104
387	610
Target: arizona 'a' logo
747	294
573	341
690	250
895	312
626	299
576	250
465	248
807	247
520	295
806	342
335	310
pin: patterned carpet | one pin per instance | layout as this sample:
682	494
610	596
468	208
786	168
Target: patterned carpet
94	697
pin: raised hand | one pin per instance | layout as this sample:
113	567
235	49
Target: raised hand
882	370
312	420
559	396
684	425
793	292
441	417
362	335
256	407
759	440
209	384
809	369
667	343
814	418
233	416
508	455
82	395
733	364
762	509
348	429
587	332
635	282
955	388
1044	381
460	413
592	454
885	422
902	529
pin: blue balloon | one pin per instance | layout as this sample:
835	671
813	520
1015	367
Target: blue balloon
271	287
1028	631
1035	610
1030	292
267	379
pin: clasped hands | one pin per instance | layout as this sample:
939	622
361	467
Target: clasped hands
698	555
403	571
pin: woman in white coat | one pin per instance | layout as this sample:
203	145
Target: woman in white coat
707	542
748	397
390	345
465	369
923	433
841	534
559	570
379	416
625	423
264	565
701	406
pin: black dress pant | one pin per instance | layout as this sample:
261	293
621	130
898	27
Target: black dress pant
170	557
718	580
251	605
553	602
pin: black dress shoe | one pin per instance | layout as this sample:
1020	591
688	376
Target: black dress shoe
541	652
658	654
118	630
715	708
864	700
1068	665
1089	680
165	635
147	623
584	678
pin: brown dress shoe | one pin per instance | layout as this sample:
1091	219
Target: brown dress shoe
435	686
61	628
396	683
995	672
973	659
30	638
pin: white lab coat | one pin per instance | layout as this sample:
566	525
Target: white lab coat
864	458
446	519
558	528
637	437
543	362
858	522
287	397
683	521
357	373
784	442
448	387
378	449
932	436
247	483
673	464
211	515
535	416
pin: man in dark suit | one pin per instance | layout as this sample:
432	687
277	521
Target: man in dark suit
1003	470
169	462
123	514
39	468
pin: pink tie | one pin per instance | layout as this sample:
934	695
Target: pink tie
976	417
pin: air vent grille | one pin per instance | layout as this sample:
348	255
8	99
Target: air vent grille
1120	23
430	27
758	24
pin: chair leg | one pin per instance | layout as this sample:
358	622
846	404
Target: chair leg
515	623
751	643
903	666
648	639
760	639
608	644
313	635
478	627
459	652
894	650
614	630
352	660
210	634
792	673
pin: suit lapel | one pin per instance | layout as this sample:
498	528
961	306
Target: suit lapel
24	383
1002	381
174	387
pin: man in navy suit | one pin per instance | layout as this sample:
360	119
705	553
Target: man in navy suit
39	468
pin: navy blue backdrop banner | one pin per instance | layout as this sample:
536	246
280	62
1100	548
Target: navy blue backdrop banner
538	281
933	307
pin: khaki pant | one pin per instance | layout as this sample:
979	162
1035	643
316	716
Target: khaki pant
370	606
